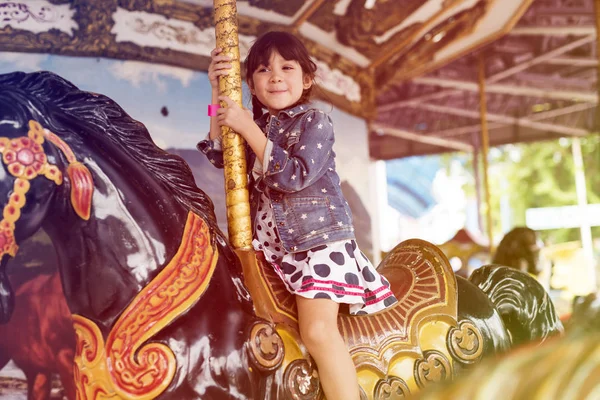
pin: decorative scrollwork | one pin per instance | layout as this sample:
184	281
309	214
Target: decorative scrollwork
363	394
127	365
169	33
433	367
465	342
265	347
301	381
391	388
20	12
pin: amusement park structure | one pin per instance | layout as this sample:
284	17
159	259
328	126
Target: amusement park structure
205	317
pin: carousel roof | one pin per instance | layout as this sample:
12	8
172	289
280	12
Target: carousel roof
541	82
409	66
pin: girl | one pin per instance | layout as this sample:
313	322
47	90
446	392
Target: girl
301	221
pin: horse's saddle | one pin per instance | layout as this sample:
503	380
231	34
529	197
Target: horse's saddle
422	280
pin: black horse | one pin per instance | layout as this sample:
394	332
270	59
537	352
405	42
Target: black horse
158	299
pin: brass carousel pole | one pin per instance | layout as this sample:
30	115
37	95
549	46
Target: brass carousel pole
239	223
236	180
597	7
485	144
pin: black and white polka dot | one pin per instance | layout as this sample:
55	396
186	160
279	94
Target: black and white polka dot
338	270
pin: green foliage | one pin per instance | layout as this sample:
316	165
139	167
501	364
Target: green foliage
542	174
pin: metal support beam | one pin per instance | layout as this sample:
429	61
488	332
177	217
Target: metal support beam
597	9
553	30
573	62
422	138
584	224
512	90
485	146
496	77
495	125
563	130
307	13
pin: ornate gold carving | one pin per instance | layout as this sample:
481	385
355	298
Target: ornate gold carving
359	27
433	367
465	342
266	347
128	366
415	58
391	388
301	381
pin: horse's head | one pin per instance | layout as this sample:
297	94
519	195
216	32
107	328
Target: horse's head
520	248
76	164
31	174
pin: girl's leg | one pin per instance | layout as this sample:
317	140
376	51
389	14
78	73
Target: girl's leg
319	331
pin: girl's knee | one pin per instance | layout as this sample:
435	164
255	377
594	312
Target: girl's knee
318	333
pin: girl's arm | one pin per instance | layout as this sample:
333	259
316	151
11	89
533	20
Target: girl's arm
211	146
215	129
306	161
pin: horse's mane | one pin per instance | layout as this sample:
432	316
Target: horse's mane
525	306
95	117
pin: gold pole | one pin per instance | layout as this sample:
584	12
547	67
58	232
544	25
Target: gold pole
476	171
597	7
485	144
236	180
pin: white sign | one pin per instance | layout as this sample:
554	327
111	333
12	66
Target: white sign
562	217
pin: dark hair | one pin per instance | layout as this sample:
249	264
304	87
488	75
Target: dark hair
290	48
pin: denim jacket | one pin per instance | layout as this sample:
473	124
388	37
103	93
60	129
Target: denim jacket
298	175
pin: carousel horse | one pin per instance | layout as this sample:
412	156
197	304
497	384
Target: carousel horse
585	315
520	249
40	338
160	305
560	369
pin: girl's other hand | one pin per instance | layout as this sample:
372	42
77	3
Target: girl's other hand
219	66
233	116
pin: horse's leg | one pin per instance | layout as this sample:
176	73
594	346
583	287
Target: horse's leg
65	370
39	384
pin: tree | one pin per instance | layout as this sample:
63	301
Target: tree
542	174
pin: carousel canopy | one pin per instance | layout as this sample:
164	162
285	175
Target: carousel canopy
410	67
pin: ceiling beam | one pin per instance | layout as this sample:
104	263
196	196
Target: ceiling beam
316	4
573	62
553	30
496	77
512	90
421	138
532	117
541	58
505	119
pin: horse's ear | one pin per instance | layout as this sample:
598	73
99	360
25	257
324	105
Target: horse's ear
82	188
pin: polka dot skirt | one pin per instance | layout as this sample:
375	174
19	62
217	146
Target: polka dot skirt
338	271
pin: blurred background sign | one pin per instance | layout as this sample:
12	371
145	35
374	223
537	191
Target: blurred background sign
562	217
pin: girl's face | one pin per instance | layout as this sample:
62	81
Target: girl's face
279	84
